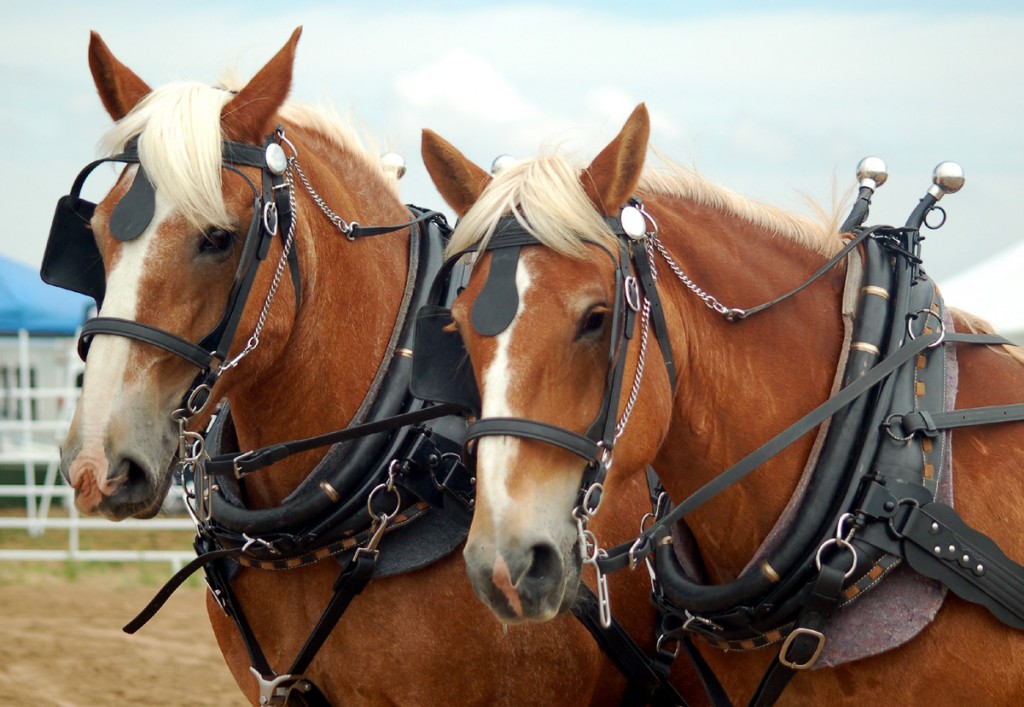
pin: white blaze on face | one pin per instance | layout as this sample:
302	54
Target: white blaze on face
496	455
106	371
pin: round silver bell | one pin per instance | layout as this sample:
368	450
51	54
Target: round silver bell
948	176
872	172
502	162
393	162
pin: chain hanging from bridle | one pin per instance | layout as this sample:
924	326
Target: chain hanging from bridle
254	340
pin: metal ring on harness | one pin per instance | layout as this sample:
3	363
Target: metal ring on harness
843	543
942	325
892	421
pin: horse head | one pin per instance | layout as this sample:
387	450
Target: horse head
542	321
172	235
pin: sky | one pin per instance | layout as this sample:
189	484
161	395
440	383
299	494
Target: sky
778	101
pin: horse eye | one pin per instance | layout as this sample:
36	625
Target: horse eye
215	240
593	322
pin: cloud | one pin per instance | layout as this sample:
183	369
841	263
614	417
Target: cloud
468	84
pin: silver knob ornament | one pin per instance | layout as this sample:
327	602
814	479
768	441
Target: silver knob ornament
393	162
502	162
947	178
872	172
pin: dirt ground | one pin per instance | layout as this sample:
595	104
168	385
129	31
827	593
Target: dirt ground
61	644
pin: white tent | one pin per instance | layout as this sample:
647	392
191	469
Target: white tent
993	290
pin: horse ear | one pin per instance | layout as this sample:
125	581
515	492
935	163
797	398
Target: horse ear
119	88
611	178
248	117
459	181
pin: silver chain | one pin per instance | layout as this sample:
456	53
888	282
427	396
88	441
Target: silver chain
641	358
254	340
709	299
344	226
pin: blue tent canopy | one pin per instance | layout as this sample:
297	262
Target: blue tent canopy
26	302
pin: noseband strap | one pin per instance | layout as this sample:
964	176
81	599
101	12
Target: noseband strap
197	356
568	440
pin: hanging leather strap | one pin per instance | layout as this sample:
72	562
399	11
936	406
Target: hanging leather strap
648	679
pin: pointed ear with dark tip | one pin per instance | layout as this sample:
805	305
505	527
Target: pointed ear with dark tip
119	88
249	116
459	181
611	178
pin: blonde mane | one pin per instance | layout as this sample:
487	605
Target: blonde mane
820	235
179	131
548	200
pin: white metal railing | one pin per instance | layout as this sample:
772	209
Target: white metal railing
26	443
74	523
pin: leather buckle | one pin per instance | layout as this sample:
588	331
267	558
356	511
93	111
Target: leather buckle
788	643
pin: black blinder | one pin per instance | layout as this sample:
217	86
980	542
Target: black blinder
71	260
441	371
135	210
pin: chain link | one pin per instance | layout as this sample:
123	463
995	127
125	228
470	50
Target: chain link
254	340
645	317
708	299
342	225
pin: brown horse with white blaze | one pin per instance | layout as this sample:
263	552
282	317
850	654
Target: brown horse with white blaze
737	384
170	260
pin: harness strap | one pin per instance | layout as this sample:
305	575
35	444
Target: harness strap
621	555
932	423
197	356
350	583
249	462
648	678
939	544
804	643
568	440
364	231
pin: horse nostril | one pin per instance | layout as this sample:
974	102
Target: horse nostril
545	564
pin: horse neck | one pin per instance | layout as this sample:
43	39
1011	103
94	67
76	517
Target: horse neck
351	297
741	383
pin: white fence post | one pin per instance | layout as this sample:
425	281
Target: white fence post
26	442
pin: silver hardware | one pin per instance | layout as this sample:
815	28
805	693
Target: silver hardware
254	339
633	222
393	162
731	314
381	521
277	160
947	178
888	425
501	163
935	528
937	550
660	646
818	635
872	172
275	691
590	551
842	542
270	217
250	541
632	290
341	224
926	312
694	619
952	549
